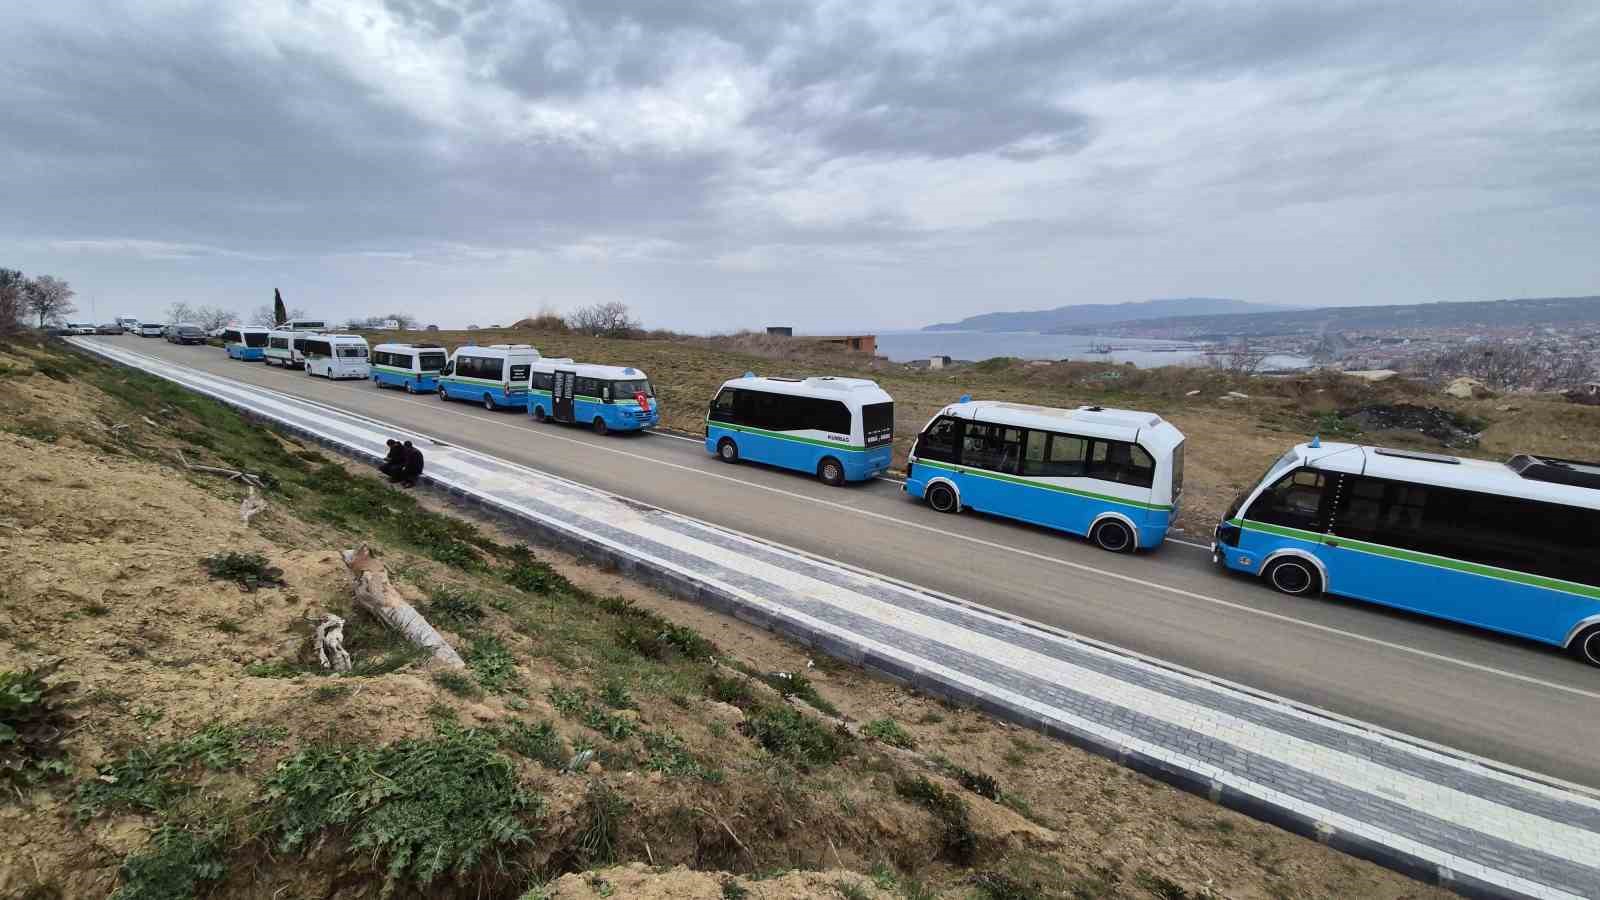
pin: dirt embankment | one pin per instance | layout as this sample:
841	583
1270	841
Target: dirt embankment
604	741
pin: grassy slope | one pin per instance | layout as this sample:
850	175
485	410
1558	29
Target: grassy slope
210	756
1230	441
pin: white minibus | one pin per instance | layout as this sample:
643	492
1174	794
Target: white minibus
336	355
496	376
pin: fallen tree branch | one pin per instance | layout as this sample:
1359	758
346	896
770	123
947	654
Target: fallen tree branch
377	596
246	477
330	644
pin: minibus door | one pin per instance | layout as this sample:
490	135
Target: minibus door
561	390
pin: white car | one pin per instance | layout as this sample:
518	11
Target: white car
81	327
151	329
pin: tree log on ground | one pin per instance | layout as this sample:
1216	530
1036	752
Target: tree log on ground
377	596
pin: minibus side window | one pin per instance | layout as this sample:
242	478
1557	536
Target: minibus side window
939	442
1296	500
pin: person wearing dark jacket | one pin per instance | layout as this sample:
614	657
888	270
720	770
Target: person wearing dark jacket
413	466
395	462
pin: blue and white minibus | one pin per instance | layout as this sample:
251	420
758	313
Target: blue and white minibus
496	376
1112	475
606	398
336	355
244	343
1505	546
839	429
414	367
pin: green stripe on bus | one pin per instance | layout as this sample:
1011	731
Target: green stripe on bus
1426	559
1060	489
398	371
467	379
788	437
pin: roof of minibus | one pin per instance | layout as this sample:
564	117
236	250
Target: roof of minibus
501	350
1090	421
593	370
435	348
1483	475
852	390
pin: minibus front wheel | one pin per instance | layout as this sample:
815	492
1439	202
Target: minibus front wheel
942	498
599	425
1586	646
488	403
1113	536
539	416
443	394
727	450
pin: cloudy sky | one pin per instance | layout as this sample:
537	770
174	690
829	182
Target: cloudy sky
720	164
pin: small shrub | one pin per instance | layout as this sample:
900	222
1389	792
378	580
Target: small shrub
728	689
97	610
599	816
152	777
539	742
535	577
992	885
328	693
568	701
175	862
33	718
958	843
1161	886
456	683
985	786
250	571
41	430
451	803
888	731
787	732
454	609
669	756
491	663
732	890
275	669
796	684
615	695
640	640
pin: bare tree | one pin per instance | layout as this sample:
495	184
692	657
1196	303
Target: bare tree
11	296
49	298
1507	366
210	318
180	311
266	317
603	320
1240	357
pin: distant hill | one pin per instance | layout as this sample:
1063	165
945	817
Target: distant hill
1517	313
1082	316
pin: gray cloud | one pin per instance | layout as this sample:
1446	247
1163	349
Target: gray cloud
716	163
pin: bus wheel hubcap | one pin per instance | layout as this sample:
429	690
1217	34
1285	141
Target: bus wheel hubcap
1291	578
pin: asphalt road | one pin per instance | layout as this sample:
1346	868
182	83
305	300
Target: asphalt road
1510	701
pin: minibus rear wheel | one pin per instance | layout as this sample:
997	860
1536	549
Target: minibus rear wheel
599	425
1586	646
831	471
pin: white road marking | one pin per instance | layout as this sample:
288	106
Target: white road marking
1104	573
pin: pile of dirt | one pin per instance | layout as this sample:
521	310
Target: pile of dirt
1446	428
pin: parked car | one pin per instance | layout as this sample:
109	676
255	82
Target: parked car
80	327
184	333
108	328
151	329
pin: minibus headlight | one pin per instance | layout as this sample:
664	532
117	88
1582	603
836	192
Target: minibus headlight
1228	534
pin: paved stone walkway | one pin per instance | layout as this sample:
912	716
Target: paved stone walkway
1442	817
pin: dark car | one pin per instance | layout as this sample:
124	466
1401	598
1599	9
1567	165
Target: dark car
184	333
108	328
